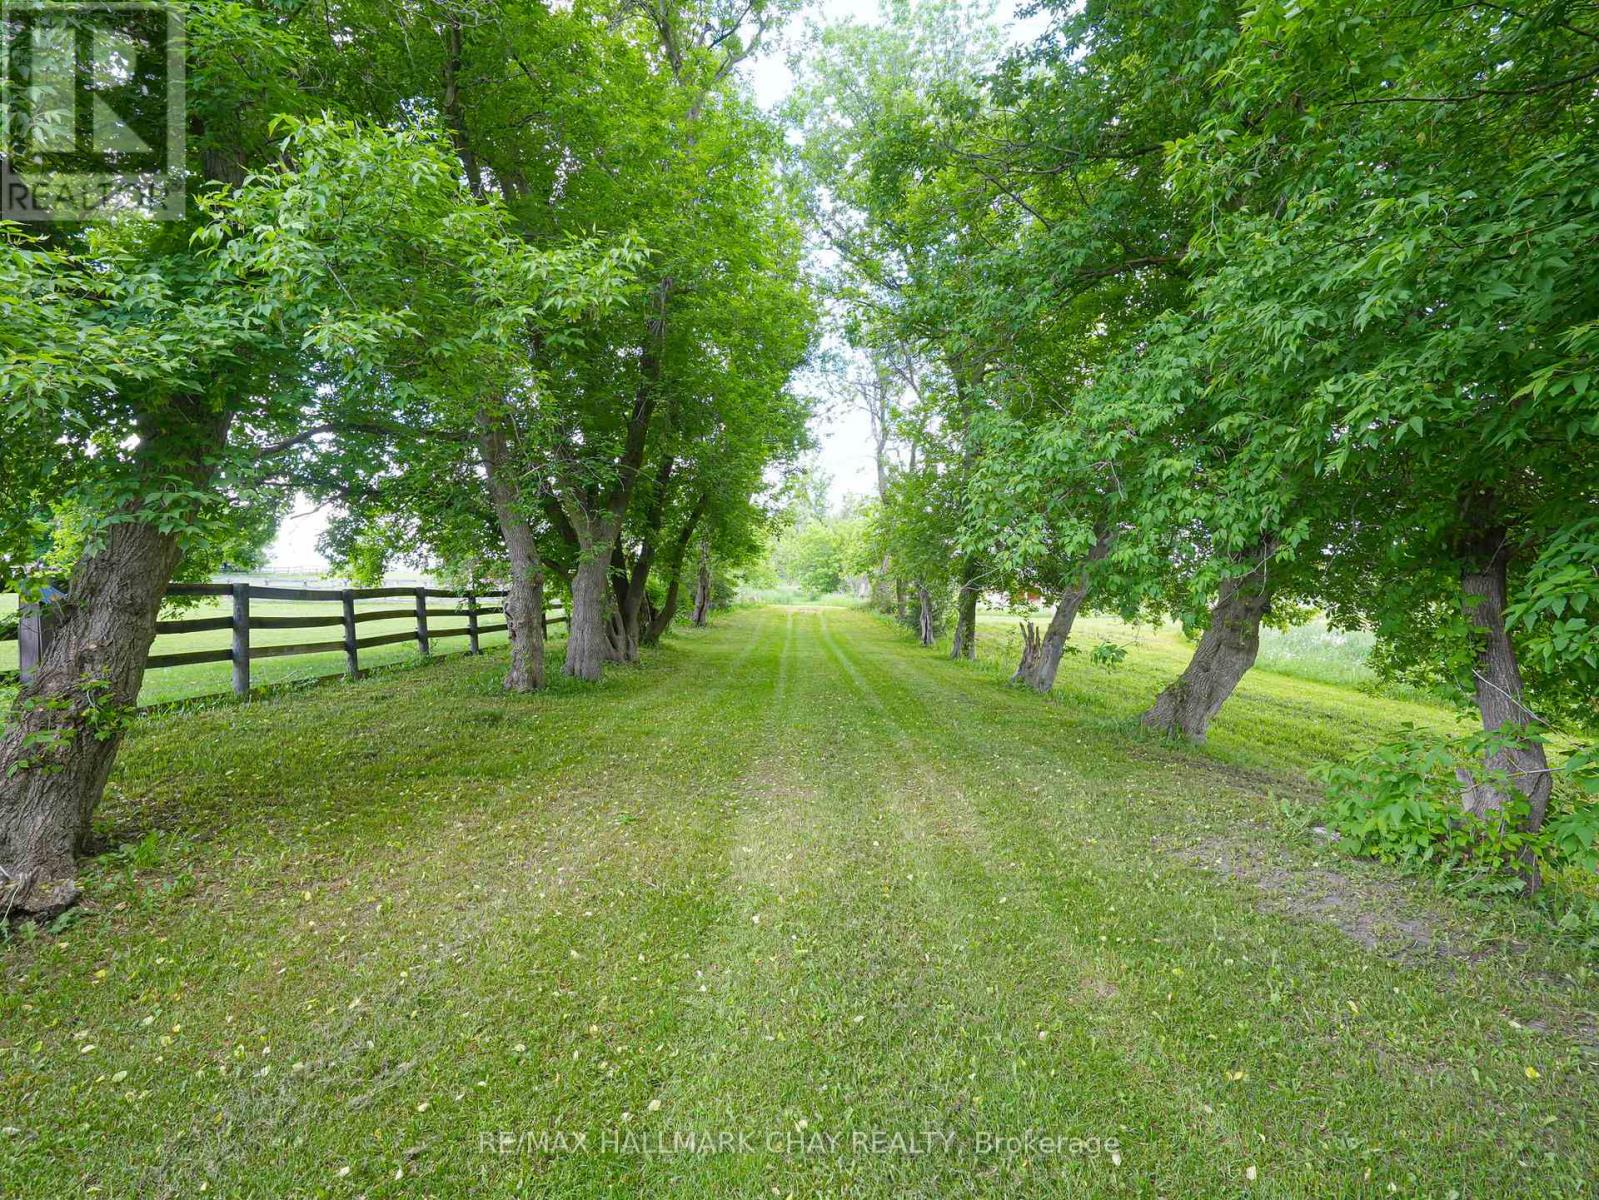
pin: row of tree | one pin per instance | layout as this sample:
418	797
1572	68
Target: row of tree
1221	312
512	286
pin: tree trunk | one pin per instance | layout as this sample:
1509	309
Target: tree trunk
1500	696
632	610
663	618
882	596
632	581
524	611
965	642
1225	652
1039	671
702	587
618	649
597	520
454	119
925	616
587	640
622	635
899	599
661	621
66	723
1032	647
524	601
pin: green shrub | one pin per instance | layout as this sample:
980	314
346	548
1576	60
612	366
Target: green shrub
1400	803
1573	832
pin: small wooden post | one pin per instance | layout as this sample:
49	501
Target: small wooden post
352	664
241	639
471	623
422	619
36	629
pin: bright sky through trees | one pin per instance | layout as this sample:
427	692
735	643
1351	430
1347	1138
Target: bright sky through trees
842	433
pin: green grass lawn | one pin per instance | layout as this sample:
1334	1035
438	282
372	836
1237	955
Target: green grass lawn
795	880
1306	702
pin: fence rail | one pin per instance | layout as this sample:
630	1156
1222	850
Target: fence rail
35	625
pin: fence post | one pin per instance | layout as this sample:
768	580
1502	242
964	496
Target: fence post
422	619
36	629
241	639
471	623
352	664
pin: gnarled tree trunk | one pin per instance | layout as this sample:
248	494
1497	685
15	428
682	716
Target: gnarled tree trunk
524	610
1040	661
1039	668
524	600
66	724
964	644
661	620
631	611
924	617
1032	646
632	597
588	641
1038	671
1225	652
1498	686
618	647
597	519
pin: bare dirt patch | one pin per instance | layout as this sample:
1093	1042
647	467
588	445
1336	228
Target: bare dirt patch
1381	915
1388	918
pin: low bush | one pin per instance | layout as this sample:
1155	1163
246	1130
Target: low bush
1400	802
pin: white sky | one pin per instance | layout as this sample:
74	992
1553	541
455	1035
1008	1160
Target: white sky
843	433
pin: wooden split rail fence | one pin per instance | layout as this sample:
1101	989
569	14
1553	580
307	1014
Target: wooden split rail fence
33	628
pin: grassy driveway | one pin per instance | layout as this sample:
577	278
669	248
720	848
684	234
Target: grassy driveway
797	909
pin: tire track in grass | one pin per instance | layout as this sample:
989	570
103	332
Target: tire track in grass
600	1168
1059	990
745	1002
1318	1082
784	1045
776	986
604	1066
1032	835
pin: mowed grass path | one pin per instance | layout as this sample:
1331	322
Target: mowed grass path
794	880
